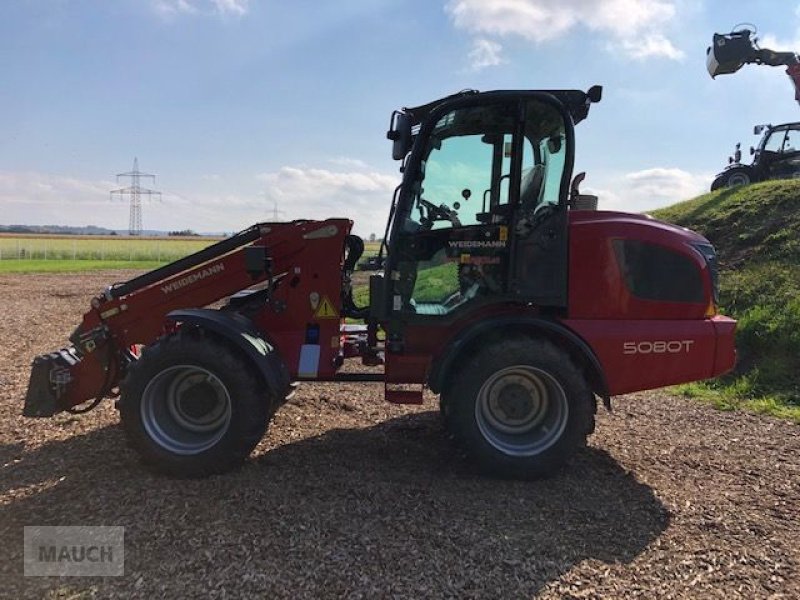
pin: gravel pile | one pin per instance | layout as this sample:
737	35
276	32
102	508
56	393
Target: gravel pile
348	496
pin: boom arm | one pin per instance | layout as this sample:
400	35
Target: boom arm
729	52
135	312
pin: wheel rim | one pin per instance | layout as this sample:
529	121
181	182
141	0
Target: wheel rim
738	179
186	409
521	410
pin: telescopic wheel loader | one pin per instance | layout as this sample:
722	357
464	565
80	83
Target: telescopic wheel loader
502	290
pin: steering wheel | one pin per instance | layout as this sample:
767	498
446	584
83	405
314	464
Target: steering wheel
437	213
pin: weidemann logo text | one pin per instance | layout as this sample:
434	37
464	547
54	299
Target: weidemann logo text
194	277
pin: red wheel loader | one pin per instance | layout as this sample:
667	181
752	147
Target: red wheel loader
502	290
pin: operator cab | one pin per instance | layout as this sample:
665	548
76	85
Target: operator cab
779	152
481	214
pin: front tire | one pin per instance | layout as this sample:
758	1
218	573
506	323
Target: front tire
520	408
737	177
192	407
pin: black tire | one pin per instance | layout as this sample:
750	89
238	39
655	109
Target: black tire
520	408
192	407
737	177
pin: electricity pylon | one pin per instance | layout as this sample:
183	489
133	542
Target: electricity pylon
135	191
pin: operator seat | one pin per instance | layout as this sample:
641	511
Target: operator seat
531	188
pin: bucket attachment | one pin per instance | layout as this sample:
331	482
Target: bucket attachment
729	52
50	377
63	379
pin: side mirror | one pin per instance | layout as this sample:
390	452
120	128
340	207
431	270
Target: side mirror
752	151
400	134
595	94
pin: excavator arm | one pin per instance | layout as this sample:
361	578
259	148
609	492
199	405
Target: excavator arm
729	52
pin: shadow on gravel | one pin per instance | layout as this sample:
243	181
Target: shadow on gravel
389	510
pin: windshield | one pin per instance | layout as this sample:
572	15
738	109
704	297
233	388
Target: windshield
465	176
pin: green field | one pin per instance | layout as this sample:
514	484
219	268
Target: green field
69	265
42	254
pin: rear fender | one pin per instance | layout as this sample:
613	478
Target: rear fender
471	340
240	332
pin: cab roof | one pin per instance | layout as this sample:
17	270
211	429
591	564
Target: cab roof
576	101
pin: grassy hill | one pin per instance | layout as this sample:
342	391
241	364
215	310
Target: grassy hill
756	230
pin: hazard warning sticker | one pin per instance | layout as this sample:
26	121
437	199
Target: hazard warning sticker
326	310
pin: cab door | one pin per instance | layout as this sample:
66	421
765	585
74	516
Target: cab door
785	164
485	218
539	266
452	245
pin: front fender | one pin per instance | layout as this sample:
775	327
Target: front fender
241	333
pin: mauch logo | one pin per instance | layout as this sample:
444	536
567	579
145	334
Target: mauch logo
657	347
74	551
76	554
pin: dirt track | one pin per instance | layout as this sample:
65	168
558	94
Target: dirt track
351	497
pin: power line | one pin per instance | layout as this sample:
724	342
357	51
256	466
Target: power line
135	191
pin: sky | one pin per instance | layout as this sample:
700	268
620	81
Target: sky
241	106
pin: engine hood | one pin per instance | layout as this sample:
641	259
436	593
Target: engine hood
613	219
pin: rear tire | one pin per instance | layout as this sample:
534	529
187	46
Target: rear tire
192	407
520	408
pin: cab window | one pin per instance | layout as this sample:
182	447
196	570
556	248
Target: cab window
775	141
543	157
467	168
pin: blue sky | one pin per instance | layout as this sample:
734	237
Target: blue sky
237	104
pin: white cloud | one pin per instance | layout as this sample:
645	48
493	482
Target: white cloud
634	25
647	189
485	53
31	198
350	163
652	45
171	8
234	7
304	192
773	43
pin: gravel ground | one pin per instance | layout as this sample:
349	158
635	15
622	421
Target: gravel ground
350	497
